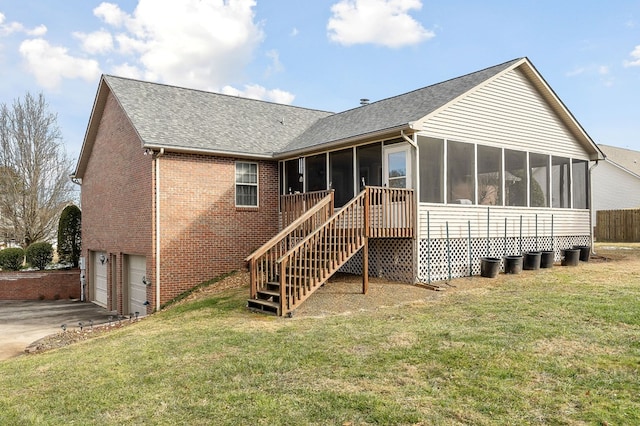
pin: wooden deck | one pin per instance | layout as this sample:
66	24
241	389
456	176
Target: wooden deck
316	242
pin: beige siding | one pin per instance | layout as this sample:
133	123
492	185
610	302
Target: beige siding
566	222
508	112
614	188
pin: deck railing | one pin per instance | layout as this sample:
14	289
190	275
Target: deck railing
262	262
292	206
392	212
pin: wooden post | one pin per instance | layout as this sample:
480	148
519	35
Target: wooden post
365	266
253	278
365	248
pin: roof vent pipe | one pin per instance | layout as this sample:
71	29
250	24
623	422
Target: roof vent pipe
364	101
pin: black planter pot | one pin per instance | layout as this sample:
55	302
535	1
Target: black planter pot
570	257
585	252
532	260
489	267
547	258
512	264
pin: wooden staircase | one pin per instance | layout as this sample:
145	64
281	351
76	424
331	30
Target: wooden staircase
291	266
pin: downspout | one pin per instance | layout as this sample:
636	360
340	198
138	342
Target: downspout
416	255
157	161
591	206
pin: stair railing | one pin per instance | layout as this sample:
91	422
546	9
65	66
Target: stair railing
312	261
262	262
292	206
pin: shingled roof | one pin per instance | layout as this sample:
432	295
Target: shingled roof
391	113
187	120
173	117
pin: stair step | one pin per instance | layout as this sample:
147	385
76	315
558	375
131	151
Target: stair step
269	293
264	306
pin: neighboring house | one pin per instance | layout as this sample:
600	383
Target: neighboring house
181	185
616	180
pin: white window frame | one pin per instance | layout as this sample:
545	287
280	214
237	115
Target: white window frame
237	184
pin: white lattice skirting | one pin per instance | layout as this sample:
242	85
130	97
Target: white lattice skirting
439	259
390	258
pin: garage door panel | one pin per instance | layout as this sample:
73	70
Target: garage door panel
137	284
100	294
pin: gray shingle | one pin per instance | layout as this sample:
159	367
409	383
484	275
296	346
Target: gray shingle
180	118
390	113
175	117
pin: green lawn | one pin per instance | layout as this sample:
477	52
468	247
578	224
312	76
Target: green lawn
559	346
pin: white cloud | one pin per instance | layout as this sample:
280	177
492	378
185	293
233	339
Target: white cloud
382	22
188	43
254	91
16	27
50	64
111	14
276	66
294	32
635	55
128	71
99	42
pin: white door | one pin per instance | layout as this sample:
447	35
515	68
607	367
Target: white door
397	166
137	271
100	294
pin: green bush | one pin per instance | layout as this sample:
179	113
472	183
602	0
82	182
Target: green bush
39	255
11	259
69	235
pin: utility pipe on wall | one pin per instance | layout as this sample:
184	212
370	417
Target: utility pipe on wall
157	161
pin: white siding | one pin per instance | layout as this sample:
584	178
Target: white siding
566	222
613	188
508	112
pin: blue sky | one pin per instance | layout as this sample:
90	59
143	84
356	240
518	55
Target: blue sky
323	54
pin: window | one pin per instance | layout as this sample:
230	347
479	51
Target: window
561	182
431	170
246	184
293	176
489	176
580	174
341	175
369	159
515	178
316	171
460	173
539	172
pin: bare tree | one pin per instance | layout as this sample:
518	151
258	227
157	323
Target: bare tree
34	171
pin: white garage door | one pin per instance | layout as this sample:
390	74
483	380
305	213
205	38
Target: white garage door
100	278
137	284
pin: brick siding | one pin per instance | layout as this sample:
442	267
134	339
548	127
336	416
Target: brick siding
203	234
117	201
39	285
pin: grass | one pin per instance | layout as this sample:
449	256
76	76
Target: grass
559	346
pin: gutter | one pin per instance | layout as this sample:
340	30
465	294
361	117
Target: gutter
221	153
157	165
340	142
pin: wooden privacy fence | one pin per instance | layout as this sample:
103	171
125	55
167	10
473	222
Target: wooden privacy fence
618	225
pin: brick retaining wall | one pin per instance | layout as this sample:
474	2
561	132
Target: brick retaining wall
38	285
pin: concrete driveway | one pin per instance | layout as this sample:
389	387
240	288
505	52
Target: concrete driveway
24	322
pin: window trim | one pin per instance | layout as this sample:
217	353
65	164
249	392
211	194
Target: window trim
237	184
